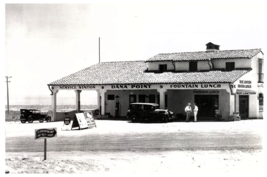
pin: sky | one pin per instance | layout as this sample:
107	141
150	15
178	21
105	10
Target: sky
45	42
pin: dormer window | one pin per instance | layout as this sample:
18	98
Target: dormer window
162	68
193	66
229	66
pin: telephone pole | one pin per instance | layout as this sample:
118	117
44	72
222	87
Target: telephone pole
7	92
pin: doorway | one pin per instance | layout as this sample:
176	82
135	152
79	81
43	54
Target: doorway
243	106
207	104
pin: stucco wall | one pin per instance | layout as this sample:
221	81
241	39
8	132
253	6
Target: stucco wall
124	99
178	99
203	65
239	63
154	66
252	76
182	66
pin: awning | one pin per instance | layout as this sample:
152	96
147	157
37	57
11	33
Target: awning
245	92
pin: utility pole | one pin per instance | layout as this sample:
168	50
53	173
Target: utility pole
99	48
7	92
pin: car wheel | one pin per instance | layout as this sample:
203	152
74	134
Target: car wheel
134	118
48	119
23	121
164	118
30	119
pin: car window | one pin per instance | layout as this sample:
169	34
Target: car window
147	107
136	106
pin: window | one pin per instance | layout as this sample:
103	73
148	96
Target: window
152	99
147	107
162	68
260	70
261	99
229	66
142	98
110	97
166	101
193	66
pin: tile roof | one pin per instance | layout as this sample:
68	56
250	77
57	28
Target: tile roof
204	55
133	72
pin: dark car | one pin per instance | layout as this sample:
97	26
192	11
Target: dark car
139	112
31	115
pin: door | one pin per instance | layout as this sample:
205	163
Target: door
207	104
243	106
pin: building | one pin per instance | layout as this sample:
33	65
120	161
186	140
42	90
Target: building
225	80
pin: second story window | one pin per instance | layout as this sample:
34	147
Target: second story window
229	66
260	71
193	66
162	68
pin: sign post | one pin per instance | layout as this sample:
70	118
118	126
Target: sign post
44	134
45	149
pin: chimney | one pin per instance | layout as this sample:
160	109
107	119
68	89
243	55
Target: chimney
212	47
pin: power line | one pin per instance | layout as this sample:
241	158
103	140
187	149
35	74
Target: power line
7	81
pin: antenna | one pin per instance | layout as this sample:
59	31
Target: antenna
99	48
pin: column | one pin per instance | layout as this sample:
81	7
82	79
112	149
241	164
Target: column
54	105
98	99
232	104
236	103
102	100
78	102
162	92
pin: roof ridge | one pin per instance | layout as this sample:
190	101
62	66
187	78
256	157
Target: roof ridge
204	51
122	61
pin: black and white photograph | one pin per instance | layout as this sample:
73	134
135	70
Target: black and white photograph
133	88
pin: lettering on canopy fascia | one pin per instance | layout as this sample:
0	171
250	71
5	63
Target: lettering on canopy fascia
198	86
77	87
245	93
133	86
205	92
242	84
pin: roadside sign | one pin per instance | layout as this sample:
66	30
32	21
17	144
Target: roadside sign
45	133
67	124
80	121
84	120
89	119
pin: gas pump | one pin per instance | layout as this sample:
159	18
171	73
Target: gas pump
117	107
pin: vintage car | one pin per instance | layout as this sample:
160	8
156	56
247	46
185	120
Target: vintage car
31	115
140	112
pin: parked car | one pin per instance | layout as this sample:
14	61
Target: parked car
31	115
139	112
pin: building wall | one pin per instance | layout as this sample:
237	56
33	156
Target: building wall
124	99
154	66
252	76
178	100
239	63
182	66
203	65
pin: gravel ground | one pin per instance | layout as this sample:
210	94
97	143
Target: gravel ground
135	162
190	162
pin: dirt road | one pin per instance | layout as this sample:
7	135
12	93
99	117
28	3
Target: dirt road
123	147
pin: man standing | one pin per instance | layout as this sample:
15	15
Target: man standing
188	110
195	112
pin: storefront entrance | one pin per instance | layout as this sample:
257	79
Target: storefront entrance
207	104
243	106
